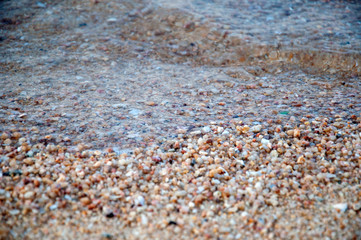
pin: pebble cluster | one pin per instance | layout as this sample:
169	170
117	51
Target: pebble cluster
198	180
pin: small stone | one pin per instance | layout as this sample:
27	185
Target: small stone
300	160
108	212
144	220
7	141
342	207
244	214
199	199
111	20
273	55
97	153
29	195
217	195
41	5
163	172
274	154
296	133
265	143
13	163
14	212
189	26
28	161
140	201
98	164
256	128
85	201
356	206
233	209
195	133
151	103
274	201
4	136
225	133
81	147
206	129
290	132
53	207
106	236
258	186
16	135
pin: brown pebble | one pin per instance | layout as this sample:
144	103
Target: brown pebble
28	161
151	103
29	195
296	133
4	136
199	199
85	201
16	135
300	160
7	141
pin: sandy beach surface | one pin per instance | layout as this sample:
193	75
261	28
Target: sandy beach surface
180	119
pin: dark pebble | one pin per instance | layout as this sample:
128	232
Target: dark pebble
172	223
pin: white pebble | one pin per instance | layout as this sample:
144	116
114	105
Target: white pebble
53	207
340	206
225	133
256	128
144	220
258	186
206	129
111	20
14	212
265	143
244	214
274	154
140	201
29	195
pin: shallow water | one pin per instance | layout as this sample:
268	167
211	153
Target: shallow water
324	25
128	73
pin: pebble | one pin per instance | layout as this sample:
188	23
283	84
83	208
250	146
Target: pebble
28	161
112	20
256	129
258	186
151	103
265	143
342	207
53	207
274	154
85	201
140	201
29	195
206	129
135	112
144	220
41	5
14	212
98	164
